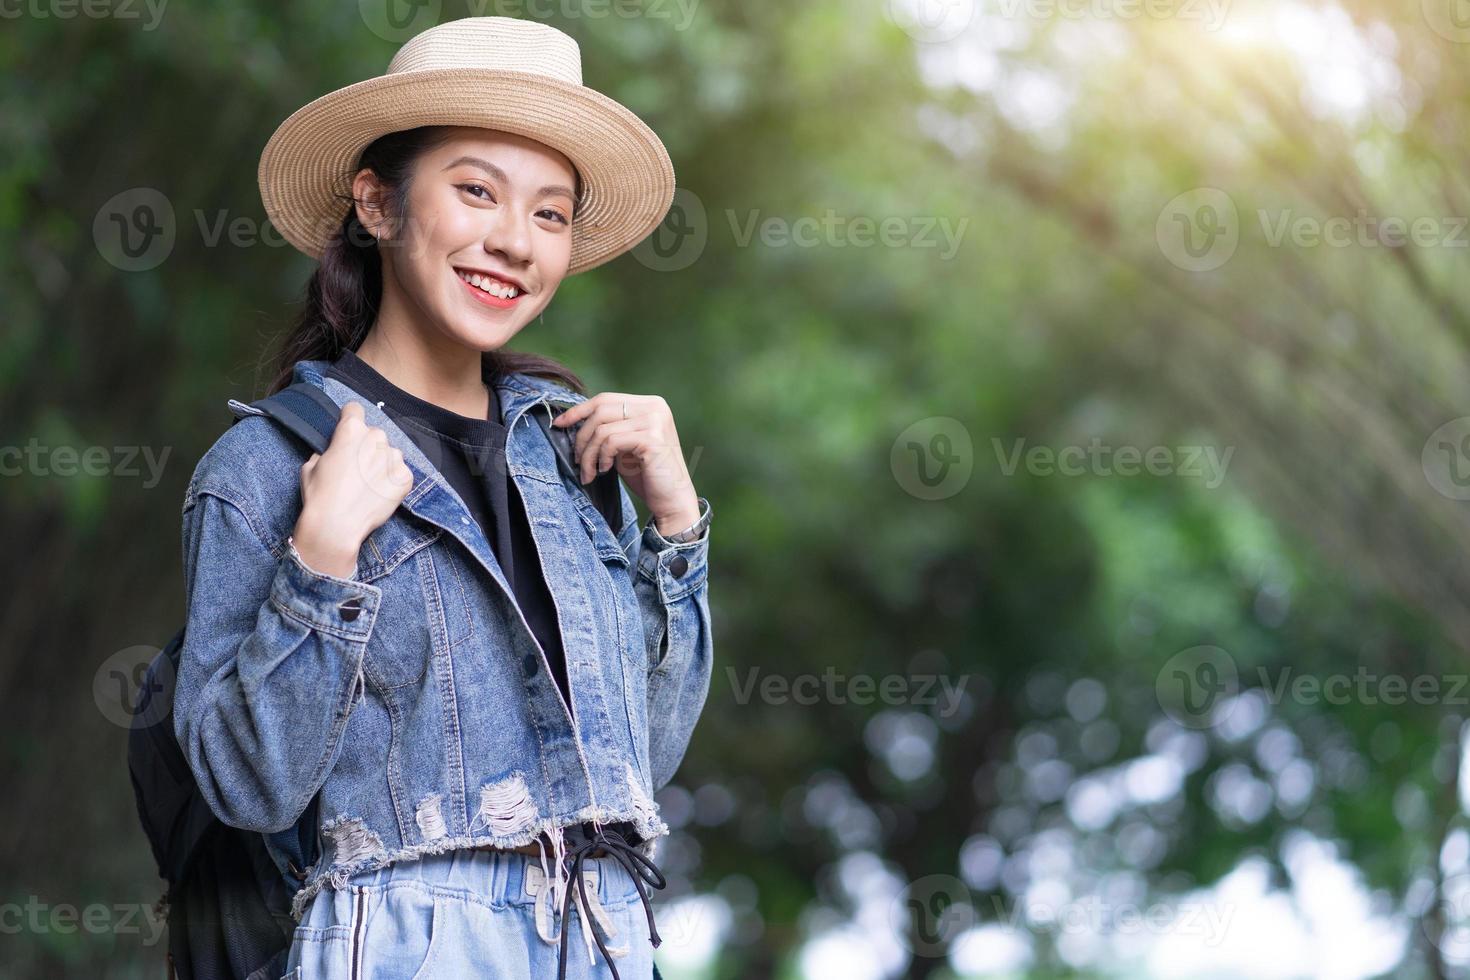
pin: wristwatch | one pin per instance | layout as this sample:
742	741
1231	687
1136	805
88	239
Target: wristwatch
694	531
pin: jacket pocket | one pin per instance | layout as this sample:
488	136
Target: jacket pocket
393	558
603	540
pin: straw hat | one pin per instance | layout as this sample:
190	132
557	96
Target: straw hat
501	73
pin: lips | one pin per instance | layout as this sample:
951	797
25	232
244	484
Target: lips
490	290
492	281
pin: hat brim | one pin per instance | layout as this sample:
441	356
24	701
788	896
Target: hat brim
627	177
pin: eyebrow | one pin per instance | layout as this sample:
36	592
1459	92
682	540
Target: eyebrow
499	175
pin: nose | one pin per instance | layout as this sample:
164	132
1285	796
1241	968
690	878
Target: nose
509	236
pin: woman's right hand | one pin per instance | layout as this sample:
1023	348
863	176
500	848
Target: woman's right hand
347	492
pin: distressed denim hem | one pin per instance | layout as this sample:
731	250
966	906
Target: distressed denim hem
647	823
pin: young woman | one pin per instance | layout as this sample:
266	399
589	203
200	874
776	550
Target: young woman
428	647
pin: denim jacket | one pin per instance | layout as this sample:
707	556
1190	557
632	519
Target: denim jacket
413	696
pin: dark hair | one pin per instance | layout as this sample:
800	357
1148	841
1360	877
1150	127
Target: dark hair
343	295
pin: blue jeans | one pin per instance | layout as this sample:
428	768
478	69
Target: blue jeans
470	913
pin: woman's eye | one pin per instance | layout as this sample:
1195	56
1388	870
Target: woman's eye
554	214
476	187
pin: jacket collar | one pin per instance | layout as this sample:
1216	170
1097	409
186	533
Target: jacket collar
432	497
517	390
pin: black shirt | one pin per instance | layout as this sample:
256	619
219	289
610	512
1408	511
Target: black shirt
470	453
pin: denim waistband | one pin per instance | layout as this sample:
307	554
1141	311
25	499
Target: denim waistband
549	883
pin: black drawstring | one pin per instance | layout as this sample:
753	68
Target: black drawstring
640	869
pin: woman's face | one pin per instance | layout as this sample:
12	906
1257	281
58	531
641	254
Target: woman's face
489	206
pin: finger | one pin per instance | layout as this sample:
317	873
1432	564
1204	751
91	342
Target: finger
612	438
348	422
589	437
403	476
610	410
577	412
596	432
607	453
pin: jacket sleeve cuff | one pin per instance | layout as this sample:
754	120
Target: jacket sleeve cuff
325	602
677	569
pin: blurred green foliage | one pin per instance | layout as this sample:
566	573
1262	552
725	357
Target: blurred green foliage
1053	146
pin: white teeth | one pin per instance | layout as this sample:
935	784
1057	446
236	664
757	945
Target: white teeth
490	285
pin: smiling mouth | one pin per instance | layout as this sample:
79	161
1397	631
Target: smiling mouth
490	285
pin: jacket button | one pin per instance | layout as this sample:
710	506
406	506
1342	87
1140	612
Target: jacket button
350	609
679	566
530	665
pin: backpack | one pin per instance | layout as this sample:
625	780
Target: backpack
228	900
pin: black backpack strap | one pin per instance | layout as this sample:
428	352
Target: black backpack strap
305	410
310	413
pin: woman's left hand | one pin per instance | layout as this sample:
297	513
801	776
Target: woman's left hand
636	433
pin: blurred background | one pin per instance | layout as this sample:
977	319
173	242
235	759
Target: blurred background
1081	386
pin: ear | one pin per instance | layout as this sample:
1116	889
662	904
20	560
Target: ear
368	197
